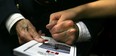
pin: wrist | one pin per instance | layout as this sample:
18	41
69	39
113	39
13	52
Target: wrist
76	34
79	12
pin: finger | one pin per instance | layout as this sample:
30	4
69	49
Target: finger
24	37
66	36
60	36
51	24
63	18
23	34
62	26
40	32
70	40
54	16
21	41
70	36
35	35
43	34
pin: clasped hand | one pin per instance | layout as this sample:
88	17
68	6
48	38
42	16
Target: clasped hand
62	26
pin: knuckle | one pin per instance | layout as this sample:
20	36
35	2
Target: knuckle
22	34
70	22
32	28
52	14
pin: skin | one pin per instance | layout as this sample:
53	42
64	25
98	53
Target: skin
62	23
28	33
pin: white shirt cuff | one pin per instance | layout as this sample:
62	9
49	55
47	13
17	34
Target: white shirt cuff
84	34
12	20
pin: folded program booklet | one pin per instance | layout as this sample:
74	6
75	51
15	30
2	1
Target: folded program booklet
49	48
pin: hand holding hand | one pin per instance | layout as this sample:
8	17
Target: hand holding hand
64	31
62	27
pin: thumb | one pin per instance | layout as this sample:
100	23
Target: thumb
51	24
62	18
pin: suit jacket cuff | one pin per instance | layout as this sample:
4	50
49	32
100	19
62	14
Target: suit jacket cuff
84	34
12	20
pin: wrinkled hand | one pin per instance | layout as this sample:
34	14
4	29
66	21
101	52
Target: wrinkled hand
26	32
64	31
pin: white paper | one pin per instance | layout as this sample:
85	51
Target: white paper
49	48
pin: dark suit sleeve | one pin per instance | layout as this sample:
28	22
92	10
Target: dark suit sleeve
7	8
95	26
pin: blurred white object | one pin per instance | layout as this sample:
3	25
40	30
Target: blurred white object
49	48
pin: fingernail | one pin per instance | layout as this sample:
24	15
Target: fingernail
45	40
